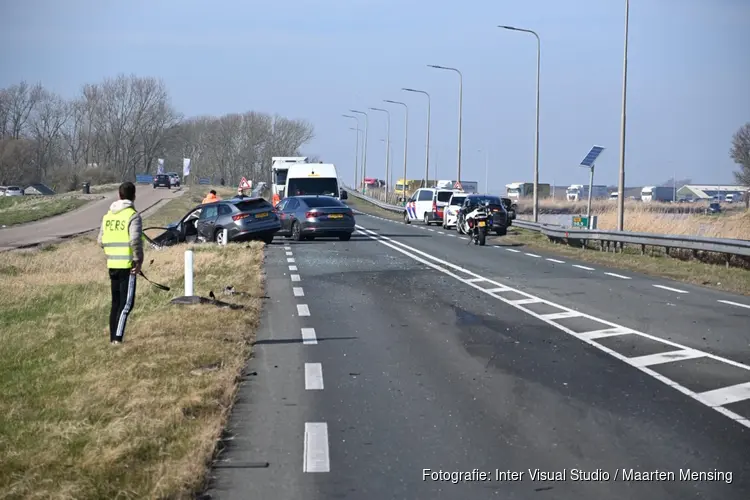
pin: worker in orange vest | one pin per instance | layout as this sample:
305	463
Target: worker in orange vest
276	199
211	197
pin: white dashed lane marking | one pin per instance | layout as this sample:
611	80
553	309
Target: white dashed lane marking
555	260
295	277
746	306
290	259
315	453
583	267
313	376
715	399
298	291
289	254
308	336
670	289
618	276
287	248
292	268
512	250
303	310
534	255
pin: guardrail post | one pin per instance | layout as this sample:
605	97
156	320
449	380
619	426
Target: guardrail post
188	273
643	249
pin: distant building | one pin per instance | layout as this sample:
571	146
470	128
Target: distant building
38	189
709	192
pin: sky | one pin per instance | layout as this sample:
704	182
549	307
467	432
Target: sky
687	93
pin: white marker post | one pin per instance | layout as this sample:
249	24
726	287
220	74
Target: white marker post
188	273
226	236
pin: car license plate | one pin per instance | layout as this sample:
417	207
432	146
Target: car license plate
482	223
335	216
261	215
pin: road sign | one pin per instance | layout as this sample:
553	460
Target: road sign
458	185
592	156
244	184
584	222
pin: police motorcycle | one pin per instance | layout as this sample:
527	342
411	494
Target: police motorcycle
476	223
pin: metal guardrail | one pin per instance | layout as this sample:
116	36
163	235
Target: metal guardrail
695	243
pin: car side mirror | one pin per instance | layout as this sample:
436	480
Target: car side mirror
344	196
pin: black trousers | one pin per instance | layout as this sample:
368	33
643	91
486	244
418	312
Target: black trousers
123	299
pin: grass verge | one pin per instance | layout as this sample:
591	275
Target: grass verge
22	209
83	419
657	263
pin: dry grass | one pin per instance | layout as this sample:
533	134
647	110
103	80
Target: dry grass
656	263
86	420
22	209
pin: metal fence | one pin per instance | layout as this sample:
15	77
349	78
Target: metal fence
726	246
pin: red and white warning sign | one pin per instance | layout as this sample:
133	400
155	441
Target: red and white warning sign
458	185
244	184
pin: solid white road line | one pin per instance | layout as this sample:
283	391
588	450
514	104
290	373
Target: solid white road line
313	376
316	448
448	268
746	306
308	336
298	291
289	254
670	289
290	259
555	260
583	267
292	268
533	255
726	395
618	276
666	357
303	310
512	250
295	277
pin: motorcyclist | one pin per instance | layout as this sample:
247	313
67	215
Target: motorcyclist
471	203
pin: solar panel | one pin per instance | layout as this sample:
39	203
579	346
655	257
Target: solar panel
592	156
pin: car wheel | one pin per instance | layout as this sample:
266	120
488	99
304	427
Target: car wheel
268	239
426	219
219	237
296	232
345	237
406	218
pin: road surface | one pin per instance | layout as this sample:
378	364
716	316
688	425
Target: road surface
405	353
86	218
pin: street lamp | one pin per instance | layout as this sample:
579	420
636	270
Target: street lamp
621	185
536	141
460	109
427	148
387	148
356	154
364	154
406	139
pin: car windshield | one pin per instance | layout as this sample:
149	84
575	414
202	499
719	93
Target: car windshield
323	201
327	186
444	196
457	200
246	206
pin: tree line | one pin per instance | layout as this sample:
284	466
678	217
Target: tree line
120	127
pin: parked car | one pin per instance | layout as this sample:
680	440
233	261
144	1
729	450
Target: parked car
308	217
426	204
174	179
450	214
244	219
13	191
497	212
162	180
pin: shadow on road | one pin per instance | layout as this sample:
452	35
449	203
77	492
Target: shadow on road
298	341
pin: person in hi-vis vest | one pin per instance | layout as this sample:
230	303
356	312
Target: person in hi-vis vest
121	237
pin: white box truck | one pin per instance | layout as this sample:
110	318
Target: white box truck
580	192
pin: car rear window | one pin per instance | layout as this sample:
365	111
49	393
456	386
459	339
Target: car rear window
246	206
322	201
444	196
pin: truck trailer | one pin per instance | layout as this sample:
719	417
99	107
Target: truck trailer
520	190
580	192
651	194
279	169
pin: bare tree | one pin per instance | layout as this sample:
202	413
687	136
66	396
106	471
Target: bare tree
49	116
20	101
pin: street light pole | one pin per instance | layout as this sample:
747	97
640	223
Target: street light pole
356	157
364	154
621	185
387	148
427	148
460	110
406	140
536	141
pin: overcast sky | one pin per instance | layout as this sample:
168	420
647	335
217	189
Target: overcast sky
688	89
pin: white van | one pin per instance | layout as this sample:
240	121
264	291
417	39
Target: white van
427	204
312	179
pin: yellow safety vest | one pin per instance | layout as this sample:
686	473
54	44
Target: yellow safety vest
116	239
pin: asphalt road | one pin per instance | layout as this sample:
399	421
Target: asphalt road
405	349
86	218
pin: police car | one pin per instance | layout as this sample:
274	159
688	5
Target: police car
427	204
450	217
